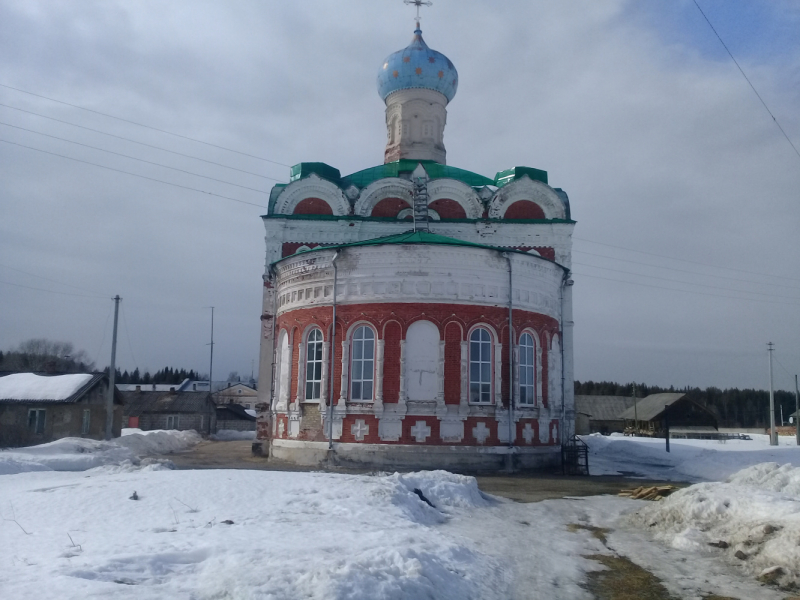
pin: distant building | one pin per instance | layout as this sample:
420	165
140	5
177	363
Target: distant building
172	409
35	409
686	417
236	417
600	414
238	393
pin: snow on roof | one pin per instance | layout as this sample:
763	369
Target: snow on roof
28	386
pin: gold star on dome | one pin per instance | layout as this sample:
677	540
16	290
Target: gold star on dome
406	59
418	70
395	73
441	74
431	59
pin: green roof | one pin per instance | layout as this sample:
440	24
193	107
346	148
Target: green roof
325	171
509	175
435	170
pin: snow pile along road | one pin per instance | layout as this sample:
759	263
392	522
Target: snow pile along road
752	520
688	460
79	454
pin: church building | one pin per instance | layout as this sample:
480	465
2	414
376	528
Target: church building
416	314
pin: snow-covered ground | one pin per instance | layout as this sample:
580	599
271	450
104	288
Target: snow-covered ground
230	534
687	460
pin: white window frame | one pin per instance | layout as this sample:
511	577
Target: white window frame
484	381
364	366
86	421
37	423
173	421
527	370
313	366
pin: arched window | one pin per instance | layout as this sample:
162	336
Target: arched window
363	365
480	366
527	365
313	365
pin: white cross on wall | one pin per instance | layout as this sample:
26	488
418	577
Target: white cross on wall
527	433
420	431
281	428
480	432
359	429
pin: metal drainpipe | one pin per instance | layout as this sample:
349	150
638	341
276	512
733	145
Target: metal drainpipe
333	354
507	256
561	350
272	413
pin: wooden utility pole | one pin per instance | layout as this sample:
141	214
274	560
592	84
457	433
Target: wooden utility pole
796	411
112	374
211	361
635	413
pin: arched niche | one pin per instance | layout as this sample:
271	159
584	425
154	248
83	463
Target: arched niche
422	361
458	192
389	187
526	189
311	187
389	207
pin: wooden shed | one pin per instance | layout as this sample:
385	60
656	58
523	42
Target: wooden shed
649	415
150	410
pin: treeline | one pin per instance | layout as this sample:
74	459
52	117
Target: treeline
733	407
165	375
45	356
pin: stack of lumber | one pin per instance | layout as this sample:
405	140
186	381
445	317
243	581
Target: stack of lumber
656	492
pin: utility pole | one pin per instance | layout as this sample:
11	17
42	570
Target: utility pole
211	362
112	374
635	412
797	411
773	434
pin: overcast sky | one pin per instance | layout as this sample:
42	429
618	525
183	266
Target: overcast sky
685	193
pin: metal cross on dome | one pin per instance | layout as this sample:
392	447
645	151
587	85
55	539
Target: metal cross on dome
418	4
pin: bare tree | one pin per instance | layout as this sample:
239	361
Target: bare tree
43	355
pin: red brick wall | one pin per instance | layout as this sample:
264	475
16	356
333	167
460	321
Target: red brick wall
452	362
448	209
389	207
434	439
392	333
472	422
294	340
313	206
524	209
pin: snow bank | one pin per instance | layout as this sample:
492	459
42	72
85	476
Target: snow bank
444	489
78	454
239	534
752	520
688	460
27	386
231	435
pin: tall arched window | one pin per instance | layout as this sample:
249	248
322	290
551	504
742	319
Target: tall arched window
527	365
313	365
480	366
363	365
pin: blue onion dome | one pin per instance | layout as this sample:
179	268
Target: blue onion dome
417	66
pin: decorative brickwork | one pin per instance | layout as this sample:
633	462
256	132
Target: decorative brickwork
290	248
453	336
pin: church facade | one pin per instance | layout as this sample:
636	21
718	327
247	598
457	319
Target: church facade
416	314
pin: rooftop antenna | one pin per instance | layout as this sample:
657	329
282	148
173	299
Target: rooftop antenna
418	4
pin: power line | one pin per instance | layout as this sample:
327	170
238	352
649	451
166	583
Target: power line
97	112
119	137
747	79
55	137
685	260
791	287
53	280
661	287
713	287
51	291
185	187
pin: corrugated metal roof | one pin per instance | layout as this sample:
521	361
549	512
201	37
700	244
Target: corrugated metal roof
363	178
603	408
138	403
650	407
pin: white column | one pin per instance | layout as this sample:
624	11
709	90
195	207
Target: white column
539	371
345	372
323	388
301	374
402	398
498	374
515	371
440	407
463	401
378	405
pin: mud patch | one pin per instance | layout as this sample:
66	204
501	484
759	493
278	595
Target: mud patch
624	580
